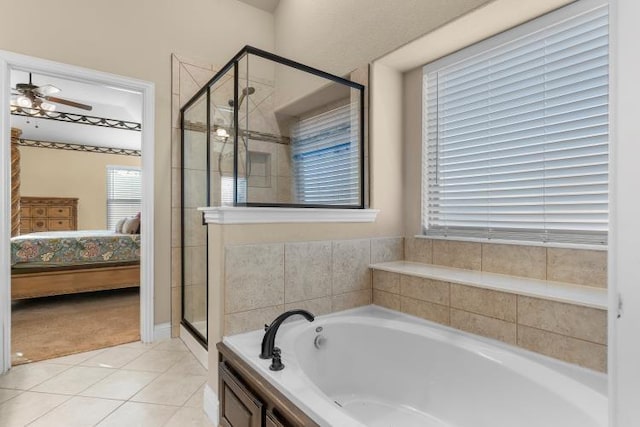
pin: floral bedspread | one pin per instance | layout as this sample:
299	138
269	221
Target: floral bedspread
66	248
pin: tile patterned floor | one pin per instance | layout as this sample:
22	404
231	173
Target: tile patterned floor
136	385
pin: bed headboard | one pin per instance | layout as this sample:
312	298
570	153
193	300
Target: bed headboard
48	214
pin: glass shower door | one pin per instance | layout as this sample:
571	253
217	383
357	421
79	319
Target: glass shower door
195	194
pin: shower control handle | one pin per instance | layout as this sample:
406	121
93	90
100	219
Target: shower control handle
276	361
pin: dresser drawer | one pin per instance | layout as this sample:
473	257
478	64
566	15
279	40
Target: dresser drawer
39	224
59	224
38	211
59	212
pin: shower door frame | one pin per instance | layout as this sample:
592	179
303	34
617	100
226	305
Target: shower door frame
233	64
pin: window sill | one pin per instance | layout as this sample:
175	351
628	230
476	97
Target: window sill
257	215
556	291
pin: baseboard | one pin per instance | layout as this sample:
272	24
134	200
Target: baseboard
195	347
210	404
162	331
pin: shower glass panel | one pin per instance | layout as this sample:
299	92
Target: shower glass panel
195	149
222	153
283	134
299	139
265	131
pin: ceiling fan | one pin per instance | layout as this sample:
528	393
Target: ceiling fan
35	97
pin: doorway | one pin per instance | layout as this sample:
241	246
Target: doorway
10	61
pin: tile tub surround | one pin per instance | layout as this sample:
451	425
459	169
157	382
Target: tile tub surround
570	332
579	266
263	280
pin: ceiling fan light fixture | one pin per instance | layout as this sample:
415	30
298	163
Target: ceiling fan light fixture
47	106
23	101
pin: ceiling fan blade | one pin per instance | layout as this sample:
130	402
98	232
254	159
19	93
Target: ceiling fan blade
69	103
47	90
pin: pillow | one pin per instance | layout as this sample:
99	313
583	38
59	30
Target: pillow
120	224
139	222
131	226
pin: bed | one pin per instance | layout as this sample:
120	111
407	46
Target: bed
65	262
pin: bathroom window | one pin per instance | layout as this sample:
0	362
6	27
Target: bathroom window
124	193
516	133
326	155
226	189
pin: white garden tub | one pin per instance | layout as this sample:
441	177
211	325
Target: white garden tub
377	367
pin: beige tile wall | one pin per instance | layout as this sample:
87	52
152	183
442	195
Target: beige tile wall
582	267
569	332
263	280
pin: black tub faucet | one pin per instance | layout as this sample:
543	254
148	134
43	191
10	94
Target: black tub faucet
270	335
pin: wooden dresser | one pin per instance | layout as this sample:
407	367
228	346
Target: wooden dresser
48	214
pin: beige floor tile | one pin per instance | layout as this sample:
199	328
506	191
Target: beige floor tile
192	417
74	359
140	345
170	389
26	376
155	361
78	412
174	344
188	365
6	394
25	408
74	380
121	385
139	415
114	357
197	399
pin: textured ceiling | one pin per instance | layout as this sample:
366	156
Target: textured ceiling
107	102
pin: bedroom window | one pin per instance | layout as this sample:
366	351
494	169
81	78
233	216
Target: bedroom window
325	156
124	193
516	133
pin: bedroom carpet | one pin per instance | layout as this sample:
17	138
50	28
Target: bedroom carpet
44	328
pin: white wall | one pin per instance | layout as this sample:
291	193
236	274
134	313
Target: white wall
136	39
61	173
624	257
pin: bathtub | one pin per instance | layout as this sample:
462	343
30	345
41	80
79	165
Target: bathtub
375	367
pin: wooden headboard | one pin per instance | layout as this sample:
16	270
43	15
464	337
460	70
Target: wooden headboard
48	214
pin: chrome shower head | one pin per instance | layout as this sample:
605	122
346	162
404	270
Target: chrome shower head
249	90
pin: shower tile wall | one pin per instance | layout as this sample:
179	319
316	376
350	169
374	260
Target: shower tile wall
188	76
263	280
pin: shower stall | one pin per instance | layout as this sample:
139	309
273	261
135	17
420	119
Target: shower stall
265	131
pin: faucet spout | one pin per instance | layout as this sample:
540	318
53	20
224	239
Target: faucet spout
269	339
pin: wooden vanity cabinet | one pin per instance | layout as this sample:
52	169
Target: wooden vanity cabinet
249	400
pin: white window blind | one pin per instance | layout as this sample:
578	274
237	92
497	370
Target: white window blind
124	193
226	189
515	140
326	157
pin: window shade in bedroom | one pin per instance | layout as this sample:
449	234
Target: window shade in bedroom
124	193
516	135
